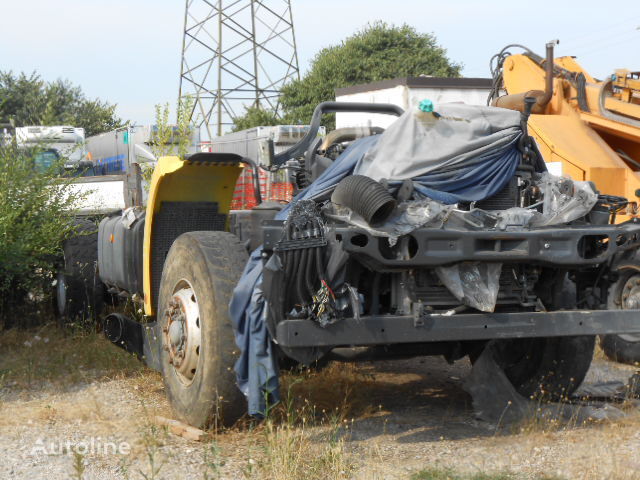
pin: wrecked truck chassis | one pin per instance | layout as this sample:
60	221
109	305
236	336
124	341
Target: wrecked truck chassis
437	247
550	246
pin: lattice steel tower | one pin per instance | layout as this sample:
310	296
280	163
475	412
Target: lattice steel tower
235	53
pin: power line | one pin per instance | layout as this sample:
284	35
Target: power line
627	38
591	33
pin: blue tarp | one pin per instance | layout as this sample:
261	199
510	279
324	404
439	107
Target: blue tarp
481	176
256	369
474	183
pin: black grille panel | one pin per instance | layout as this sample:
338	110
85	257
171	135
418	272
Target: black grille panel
504	199
174	219
432	292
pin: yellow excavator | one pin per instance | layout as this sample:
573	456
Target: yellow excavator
589	130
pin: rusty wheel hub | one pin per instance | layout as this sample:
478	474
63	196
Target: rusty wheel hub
181	334
630	300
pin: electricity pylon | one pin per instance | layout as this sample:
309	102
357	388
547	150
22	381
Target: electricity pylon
235	54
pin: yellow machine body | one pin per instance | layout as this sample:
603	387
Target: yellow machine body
176	180
602	144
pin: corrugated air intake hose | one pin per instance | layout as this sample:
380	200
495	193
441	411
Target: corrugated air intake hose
366	197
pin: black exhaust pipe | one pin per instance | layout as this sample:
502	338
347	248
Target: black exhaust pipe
136	338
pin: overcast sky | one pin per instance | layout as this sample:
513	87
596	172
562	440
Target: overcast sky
128	51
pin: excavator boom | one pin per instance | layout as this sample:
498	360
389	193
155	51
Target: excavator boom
585	128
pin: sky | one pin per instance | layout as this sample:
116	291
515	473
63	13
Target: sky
128	51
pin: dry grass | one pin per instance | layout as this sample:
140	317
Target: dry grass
48	355
449	474
291	452
307	436
338	387
52	376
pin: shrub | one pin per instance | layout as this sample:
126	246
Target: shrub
36	207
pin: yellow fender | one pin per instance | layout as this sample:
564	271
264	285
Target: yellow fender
177	180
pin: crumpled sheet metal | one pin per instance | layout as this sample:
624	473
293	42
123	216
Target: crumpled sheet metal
407	217
477	285
559	206
495	400
565	200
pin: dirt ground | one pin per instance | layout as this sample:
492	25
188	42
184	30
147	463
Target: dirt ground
383	420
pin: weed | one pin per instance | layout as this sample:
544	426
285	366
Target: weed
152	442
448	474
78	466
123	467
301	441
3	375
213	461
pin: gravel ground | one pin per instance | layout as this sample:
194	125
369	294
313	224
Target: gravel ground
418	416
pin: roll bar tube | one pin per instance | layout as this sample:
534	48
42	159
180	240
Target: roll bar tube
332	107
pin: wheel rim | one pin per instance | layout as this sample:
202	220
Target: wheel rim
182	336
630	300
61	292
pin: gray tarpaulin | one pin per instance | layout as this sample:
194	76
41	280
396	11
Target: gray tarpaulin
469	155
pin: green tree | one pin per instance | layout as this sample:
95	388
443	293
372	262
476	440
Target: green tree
29	100
378	52
255	117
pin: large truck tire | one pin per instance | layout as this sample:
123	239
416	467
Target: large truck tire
624	294
554	367
621	348
198	343
79	293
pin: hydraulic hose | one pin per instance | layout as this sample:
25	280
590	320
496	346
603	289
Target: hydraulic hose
516	101
311	274
301	275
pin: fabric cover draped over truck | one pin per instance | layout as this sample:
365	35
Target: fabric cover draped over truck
468	155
